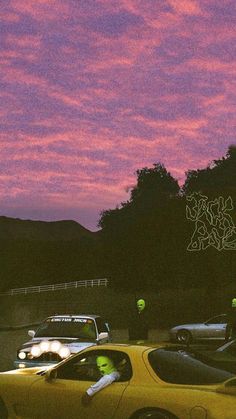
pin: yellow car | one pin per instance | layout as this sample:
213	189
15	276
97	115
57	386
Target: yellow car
158	382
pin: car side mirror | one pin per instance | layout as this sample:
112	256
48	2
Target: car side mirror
31	333
103	335
51	374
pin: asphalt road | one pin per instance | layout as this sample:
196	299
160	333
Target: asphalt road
9	342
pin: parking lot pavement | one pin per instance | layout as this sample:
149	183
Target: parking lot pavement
9	343
154	335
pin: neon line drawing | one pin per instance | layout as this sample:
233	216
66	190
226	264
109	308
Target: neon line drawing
213	224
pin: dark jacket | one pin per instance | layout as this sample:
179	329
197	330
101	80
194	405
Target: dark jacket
138	327
231	324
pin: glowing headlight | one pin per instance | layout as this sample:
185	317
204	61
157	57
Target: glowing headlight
64	352
21	365
55	346
22	355
35	351
44	346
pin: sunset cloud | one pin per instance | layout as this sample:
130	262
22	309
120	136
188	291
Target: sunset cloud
93	91
186	7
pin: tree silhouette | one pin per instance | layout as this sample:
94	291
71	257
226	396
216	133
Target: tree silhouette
218	178
134	233
153	186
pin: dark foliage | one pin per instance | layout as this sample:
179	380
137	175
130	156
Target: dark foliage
146	238
218	178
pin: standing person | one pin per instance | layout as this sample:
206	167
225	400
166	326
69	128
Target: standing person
138	328
230	333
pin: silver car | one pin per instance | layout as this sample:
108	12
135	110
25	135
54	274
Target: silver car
60	336
212	329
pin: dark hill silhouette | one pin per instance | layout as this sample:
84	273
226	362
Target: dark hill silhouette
39	252
17	229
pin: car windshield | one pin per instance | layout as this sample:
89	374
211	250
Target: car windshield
79	328
178	367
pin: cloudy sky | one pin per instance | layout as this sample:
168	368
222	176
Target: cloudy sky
92	90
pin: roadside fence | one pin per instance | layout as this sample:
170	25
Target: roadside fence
55	287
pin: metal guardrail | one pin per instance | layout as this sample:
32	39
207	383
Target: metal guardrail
55	287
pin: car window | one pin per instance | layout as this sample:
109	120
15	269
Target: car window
217	320
178	367
83	367
80	328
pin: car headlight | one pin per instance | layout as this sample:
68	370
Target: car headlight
22	355
55	346
64	352
21	365
44	346
35	351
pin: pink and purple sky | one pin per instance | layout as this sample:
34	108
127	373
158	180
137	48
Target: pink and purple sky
92	90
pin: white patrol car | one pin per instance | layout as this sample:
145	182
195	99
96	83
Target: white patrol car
60	336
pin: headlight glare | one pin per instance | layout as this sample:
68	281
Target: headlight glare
64	352
36	351
44	346
22	355
21	365
55	346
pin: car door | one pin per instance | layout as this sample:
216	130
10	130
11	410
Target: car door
214	328
61	397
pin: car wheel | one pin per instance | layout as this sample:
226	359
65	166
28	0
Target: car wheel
184	336
155	414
